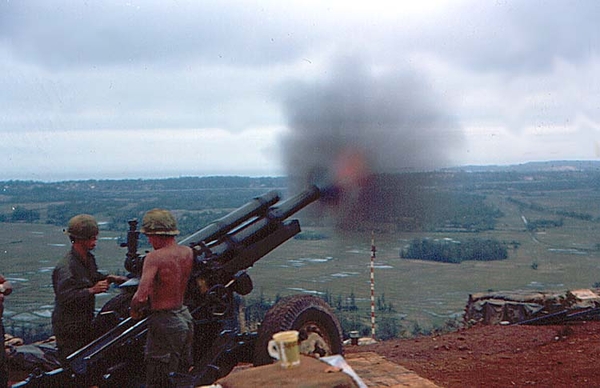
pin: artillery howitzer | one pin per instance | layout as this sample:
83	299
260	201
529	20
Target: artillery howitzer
224	250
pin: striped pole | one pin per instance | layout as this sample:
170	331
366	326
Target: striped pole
373	285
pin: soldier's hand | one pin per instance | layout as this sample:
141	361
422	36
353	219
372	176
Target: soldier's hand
136	311
136	314
116	279
138	307
99	287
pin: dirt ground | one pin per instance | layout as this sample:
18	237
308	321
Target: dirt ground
501	356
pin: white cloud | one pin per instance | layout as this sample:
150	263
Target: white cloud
521	78
138	153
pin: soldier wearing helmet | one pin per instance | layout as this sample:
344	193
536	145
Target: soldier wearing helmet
76	281
165	275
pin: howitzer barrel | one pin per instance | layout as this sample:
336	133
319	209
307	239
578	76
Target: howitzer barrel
260	228
241	247
225	224
294	204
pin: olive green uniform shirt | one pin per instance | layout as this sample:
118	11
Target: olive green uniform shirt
73	304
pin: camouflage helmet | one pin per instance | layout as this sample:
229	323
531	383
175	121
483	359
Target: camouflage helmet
82	227
159	221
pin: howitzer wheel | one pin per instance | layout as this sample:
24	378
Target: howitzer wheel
320	330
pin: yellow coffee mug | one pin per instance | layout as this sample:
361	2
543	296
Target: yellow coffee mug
284	347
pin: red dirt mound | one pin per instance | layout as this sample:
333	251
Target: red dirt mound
501	356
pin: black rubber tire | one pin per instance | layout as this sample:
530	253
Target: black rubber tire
306	314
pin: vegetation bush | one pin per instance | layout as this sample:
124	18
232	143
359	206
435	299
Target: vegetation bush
452	251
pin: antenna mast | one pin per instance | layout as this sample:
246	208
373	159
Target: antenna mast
373	285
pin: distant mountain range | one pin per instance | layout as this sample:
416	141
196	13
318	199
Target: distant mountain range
554	165
282	181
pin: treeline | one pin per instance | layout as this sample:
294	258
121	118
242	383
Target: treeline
32	191
21	214
526	180
425	201
350	315
389	323
563	213
533	225
114	214
195	201
451	251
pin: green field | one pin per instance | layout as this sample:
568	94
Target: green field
422	292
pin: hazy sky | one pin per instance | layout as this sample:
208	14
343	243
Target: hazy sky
138	88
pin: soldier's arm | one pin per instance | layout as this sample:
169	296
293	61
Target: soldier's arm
117	279
6	290
140	298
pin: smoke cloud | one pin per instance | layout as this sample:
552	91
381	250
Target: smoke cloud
358	122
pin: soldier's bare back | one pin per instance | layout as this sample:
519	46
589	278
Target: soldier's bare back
165	275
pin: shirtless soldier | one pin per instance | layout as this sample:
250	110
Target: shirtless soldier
165	275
